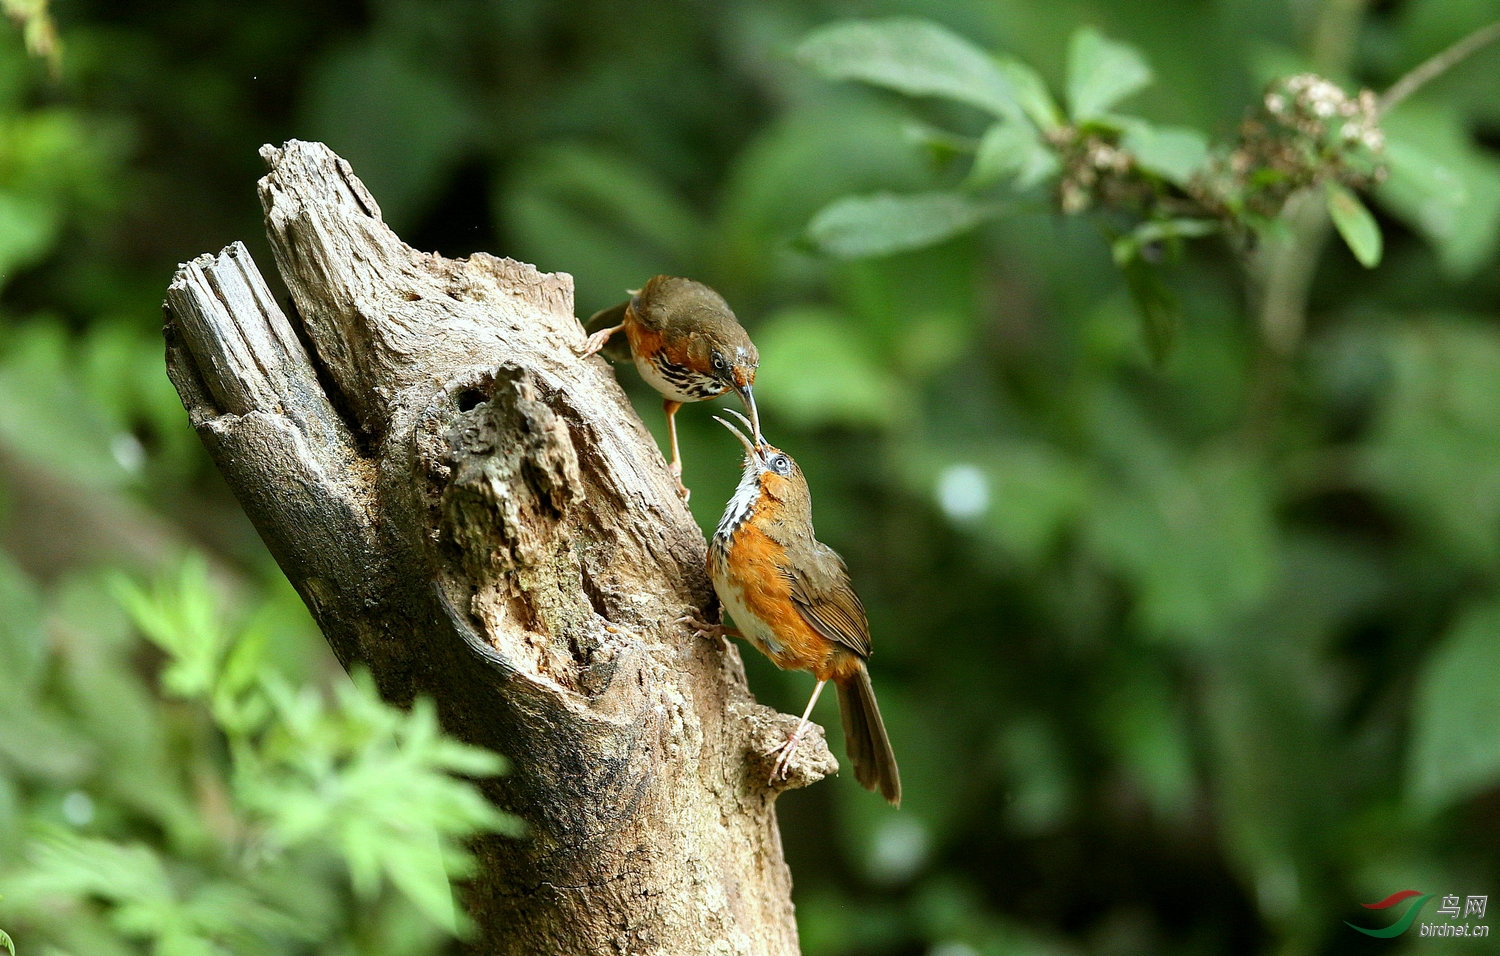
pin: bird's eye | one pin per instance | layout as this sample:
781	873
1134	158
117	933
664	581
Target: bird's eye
781	465
718	361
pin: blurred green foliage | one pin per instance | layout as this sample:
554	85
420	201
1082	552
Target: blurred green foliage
230	812
1179	657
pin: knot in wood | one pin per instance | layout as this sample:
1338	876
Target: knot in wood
514	472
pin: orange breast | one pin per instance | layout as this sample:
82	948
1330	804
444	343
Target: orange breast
643	341
758	597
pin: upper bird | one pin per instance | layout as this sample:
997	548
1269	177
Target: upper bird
687	345
791	597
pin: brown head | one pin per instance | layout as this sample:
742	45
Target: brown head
770	479
716	345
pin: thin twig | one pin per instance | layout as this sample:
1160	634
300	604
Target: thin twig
1438	64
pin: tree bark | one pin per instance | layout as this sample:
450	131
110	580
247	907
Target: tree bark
477	515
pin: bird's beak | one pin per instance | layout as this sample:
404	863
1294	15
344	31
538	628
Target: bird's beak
748	397
752	450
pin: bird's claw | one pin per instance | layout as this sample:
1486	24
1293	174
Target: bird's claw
675	468
594	343
703	628
783	763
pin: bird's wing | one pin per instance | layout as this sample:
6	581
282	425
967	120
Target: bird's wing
822	594
650	300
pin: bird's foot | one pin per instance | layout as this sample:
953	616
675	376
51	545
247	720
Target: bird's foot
593	344
675	467
778	772
596	342
703	628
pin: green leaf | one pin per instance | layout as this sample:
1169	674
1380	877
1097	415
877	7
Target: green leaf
1456	727
1442	184
176	912
182	620
5	941
64	864
1101	73
1174	153
1031	93
1355	223
1157	307
857	227
784	177
1012	149
912	56
941	145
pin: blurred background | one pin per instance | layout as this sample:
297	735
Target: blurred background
1181	657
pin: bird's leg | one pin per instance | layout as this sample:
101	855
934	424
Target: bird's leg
695	621
675	466
596	341
787	748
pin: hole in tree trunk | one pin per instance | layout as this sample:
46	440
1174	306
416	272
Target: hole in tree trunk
470	399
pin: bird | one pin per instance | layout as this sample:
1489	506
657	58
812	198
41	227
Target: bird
686	343
791	597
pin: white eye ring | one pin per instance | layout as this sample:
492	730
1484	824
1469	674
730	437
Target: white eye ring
780	465
718	360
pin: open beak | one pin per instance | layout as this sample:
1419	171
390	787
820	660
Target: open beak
748	397
752	449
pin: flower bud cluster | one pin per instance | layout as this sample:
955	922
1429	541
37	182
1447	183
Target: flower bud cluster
1322	112
1308	131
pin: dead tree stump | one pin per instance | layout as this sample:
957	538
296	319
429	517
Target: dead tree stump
477	515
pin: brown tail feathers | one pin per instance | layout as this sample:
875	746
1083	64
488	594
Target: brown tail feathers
864	737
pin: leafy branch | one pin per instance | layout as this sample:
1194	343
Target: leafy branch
1155	186
311	785
380	786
